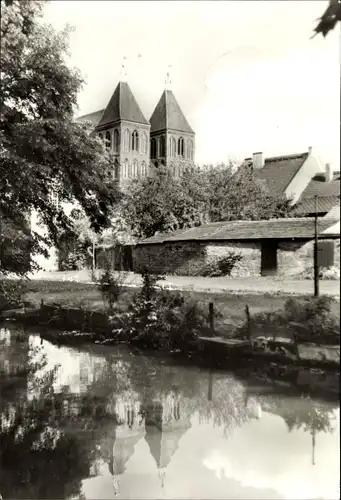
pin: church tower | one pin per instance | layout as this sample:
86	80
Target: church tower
172	140
126	134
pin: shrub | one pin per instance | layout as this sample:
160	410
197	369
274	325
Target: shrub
11	294
72	262
159	319
110	287
325	273
307	320
222	266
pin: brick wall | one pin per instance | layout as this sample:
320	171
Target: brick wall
294	257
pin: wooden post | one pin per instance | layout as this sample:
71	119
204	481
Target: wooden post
211	317
248	320
316	264
210	386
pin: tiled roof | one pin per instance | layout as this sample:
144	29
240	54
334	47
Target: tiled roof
319	187
122	106
334	213
246	230
324	204
168	115
279	171
94	117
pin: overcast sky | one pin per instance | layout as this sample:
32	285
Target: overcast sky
245	73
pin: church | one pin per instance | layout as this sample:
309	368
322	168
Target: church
137	145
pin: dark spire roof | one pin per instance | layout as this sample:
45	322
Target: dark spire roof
122	106
163	445
168	115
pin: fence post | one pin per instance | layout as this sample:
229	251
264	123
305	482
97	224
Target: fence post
211	317
248	321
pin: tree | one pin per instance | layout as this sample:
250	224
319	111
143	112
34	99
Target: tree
163	203
42	150
329	19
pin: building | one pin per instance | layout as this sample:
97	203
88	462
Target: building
300	177
136	143
266	248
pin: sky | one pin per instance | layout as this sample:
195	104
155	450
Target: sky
245	73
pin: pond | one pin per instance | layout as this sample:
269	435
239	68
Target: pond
100	422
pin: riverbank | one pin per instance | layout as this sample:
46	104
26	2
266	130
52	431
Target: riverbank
231	306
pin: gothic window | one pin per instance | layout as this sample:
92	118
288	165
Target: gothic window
144	143
162	146
108	140
143	169
153	148
135	141
125	169
190	149
134	169
126	140
181	148
172	147
116	141
100	136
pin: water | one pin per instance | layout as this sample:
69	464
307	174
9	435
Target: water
103	422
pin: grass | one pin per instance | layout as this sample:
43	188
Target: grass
231	306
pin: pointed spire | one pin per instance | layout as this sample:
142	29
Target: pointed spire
168	80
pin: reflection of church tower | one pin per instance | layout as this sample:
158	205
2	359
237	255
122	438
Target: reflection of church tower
125	132
119	444
165	425
171	137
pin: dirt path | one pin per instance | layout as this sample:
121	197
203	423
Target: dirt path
240	285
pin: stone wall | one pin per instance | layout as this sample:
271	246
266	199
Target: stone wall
249	265
294	257
188	259
182	259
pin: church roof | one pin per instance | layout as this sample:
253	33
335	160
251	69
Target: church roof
94	117
168	115
122	106
163	445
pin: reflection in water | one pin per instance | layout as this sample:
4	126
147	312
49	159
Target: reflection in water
105	422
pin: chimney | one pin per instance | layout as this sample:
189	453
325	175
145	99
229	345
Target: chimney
258	162
310	150
329	172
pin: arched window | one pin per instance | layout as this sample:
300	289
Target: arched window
181	149
125	169
135	141
189	150
144	143
172	147
143	169
126	140
100	136
134	169
108	140
162	146
153	148
116	141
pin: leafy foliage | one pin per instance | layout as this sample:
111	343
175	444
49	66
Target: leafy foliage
159	319
163	203
329	18
43	151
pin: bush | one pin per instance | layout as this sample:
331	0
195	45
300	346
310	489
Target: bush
222	266
72	262
11	294
307	320
159	319
325	273
110	288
